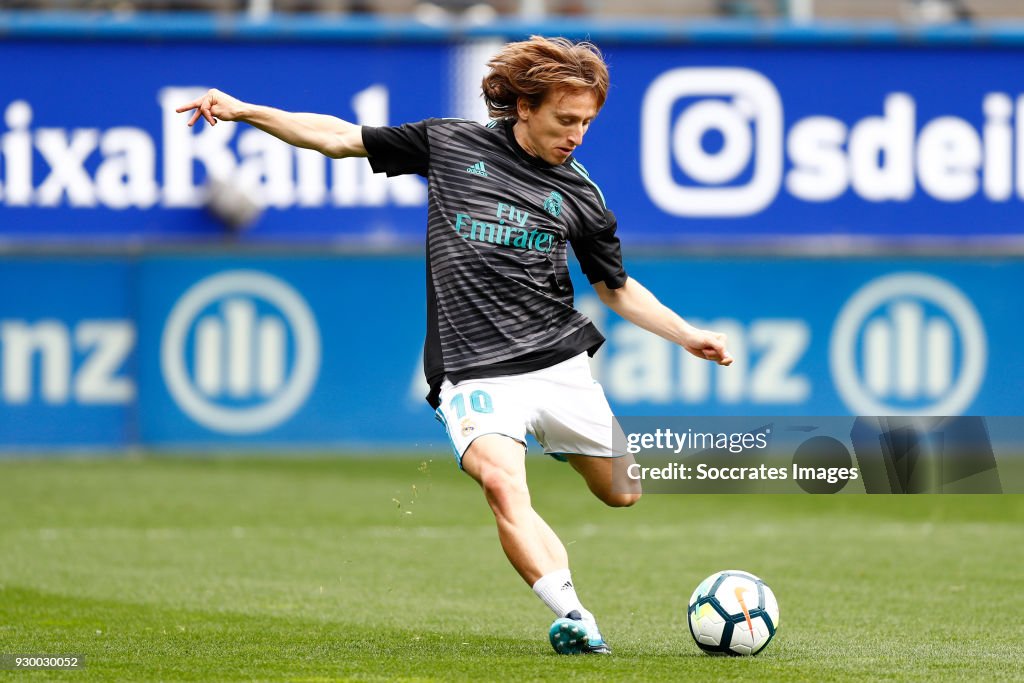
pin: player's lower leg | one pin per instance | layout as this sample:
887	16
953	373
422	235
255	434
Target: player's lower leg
605	478
555	587
558	592
532	547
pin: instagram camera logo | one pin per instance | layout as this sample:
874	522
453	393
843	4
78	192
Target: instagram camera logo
741	110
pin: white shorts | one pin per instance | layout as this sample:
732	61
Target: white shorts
562	406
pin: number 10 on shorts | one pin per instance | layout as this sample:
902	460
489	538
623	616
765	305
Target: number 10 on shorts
479	401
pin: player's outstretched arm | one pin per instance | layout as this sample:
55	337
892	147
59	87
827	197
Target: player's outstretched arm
328	135
636	304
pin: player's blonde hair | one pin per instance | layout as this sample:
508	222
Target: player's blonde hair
532	68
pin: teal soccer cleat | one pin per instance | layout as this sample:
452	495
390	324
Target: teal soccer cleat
571	635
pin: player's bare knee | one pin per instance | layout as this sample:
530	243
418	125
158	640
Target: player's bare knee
620	500
505	491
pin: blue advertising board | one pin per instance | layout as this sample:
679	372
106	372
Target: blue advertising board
824	337
68	353
246	351
241	351
124	166
697	142
747	141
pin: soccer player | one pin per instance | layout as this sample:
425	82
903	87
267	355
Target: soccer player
505	351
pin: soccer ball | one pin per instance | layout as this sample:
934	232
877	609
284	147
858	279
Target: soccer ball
733	613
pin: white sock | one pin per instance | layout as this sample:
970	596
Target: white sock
591	623
558	593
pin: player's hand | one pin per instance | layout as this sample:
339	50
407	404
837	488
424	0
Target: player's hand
213	106
708	345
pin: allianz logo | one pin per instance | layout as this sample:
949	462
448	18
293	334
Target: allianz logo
240	352
884	157
908	344
57	362
126	166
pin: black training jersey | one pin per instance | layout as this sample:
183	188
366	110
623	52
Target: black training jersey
499	297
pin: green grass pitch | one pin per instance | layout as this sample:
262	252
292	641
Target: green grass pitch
319	569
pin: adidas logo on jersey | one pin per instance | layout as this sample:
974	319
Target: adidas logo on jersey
478	169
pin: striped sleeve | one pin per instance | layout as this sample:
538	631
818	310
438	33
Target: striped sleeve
398	150
595	243
600	254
